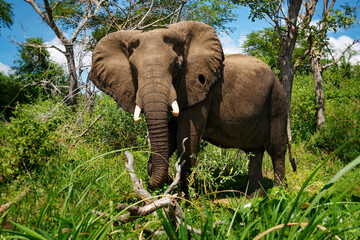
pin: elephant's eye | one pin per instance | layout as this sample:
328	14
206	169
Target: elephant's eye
201	79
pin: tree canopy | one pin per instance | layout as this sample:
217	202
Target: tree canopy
6	14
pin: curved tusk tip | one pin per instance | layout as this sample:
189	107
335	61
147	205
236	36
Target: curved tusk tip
175	109
137	120
137	114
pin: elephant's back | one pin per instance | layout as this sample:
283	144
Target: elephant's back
241	105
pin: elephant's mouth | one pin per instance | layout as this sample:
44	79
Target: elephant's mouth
174	106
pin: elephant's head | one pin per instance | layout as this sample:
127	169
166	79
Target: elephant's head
155	72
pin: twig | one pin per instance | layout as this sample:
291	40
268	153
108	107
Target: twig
342	55
178	167
77	139
37	45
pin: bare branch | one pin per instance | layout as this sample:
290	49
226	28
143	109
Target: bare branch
159	20
92	124
137	183
55	5
147	13
47	18
87	17
339	58
183	2
178	167
6	206
37	46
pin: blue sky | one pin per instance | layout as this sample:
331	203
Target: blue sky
28	24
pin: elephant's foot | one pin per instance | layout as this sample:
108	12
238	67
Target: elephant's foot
256	188
258	192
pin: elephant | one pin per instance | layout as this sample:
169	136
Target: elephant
232	101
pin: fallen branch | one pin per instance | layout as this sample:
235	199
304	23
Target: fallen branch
167	202
6	206
137	183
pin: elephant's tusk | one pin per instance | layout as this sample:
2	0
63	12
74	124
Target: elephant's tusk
175	108
137	114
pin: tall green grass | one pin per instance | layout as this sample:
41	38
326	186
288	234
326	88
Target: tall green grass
67	212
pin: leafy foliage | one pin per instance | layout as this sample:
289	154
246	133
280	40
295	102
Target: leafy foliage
216	13
156	14
6	14
28	141
343	111
35	76
263	44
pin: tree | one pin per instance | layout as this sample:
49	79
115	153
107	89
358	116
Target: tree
35	76
315	35
56	13
145	15
298	24
33	68
6	14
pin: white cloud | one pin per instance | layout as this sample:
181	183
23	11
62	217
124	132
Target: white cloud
57	56
6	69
341	43
231	45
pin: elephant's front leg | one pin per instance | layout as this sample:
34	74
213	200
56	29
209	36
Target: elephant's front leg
255	171
191	124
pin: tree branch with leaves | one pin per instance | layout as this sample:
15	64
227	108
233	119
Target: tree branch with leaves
49	12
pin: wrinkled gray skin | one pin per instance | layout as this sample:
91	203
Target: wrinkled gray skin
235	102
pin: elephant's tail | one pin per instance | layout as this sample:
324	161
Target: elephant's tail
292	160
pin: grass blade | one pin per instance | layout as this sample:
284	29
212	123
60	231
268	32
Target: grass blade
30	234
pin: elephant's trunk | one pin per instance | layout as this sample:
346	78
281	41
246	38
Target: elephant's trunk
159	139
155	99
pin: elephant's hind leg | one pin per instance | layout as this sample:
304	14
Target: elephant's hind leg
255	171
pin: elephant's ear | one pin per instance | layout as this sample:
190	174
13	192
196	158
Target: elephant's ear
203	62
111	71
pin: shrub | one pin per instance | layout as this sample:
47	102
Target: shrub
28	140
219	168
116	127
342	113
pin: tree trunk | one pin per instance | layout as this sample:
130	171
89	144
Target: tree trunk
319	92
287	43
286	79
73	89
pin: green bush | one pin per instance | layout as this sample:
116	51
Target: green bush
28	140
342	113
116	127
303	109
219	168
